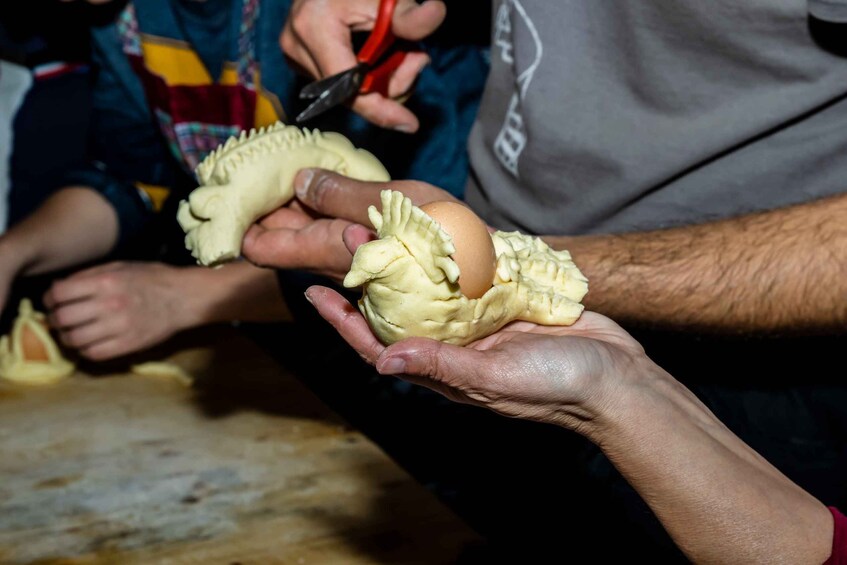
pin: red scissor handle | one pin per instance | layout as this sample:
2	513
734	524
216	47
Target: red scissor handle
380	39
377	79
381	36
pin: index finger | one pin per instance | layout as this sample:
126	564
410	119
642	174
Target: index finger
347	320
71	289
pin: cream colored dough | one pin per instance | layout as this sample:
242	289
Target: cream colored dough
249	176
410	282
164	369
14	365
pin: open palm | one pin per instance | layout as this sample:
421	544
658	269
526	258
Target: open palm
553	374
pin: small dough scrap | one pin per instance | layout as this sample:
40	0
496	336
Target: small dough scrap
410	282
164	369
249	176
28	354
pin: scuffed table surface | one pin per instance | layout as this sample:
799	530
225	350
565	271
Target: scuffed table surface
246	467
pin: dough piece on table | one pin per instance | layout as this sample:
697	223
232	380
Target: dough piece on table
410	282
164	369
28	354
249	176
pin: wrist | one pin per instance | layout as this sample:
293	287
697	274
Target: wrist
208	301
630	404
192	293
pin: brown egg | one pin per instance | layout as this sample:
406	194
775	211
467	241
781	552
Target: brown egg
474	248
31	345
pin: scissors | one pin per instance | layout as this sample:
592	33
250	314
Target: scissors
372	74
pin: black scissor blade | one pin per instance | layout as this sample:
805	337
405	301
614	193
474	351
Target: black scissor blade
344	86
315	89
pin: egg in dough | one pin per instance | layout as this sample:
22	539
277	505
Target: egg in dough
410	279
28	354
474	253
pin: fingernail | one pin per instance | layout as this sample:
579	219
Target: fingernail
308	298
302	182
393	366
404	128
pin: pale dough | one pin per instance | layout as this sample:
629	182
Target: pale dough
409	280
249	176
164	369
14	365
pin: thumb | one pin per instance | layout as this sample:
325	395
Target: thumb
355	235
335	195
413	21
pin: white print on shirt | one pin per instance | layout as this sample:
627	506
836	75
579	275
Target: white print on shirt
511	140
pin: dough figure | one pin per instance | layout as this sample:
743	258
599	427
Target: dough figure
28	354
249	176
410	282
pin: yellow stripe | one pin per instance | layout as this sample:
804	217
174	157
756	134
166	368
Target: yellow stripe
176	64
229	75
268	108
157	194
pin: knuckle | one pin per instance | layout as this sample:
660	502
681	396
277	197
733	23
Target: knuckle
287	42
60	318
71	338
116	303
299	21
323	185
95	354
108	283
55	293
336	228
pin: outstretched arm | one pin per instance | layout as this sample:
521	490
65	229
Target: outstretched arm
73	226
783	271
719	500
779	271
119	308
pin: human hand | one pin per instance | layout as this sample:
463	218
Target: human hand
118	308
565	375
318	37
322	228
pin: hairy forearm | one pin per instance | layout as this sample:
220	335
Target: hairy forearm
75	225
235	291
719	500
778	271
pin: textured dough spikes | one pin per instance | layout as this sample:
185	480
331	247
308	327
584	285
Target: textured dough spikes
409	290
253	174
28	354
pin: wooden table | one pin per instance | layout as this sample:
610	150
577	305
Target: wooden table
246	466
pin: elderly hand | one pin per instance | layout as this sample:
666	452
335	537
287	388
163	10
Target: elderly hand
118	308
317	37
320	230
567	376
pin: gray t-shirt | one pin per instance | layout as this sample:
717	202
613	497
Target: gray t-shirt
612	116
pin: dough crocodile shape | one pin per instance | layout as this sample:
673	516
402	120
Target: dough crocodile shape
410	282
251	175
